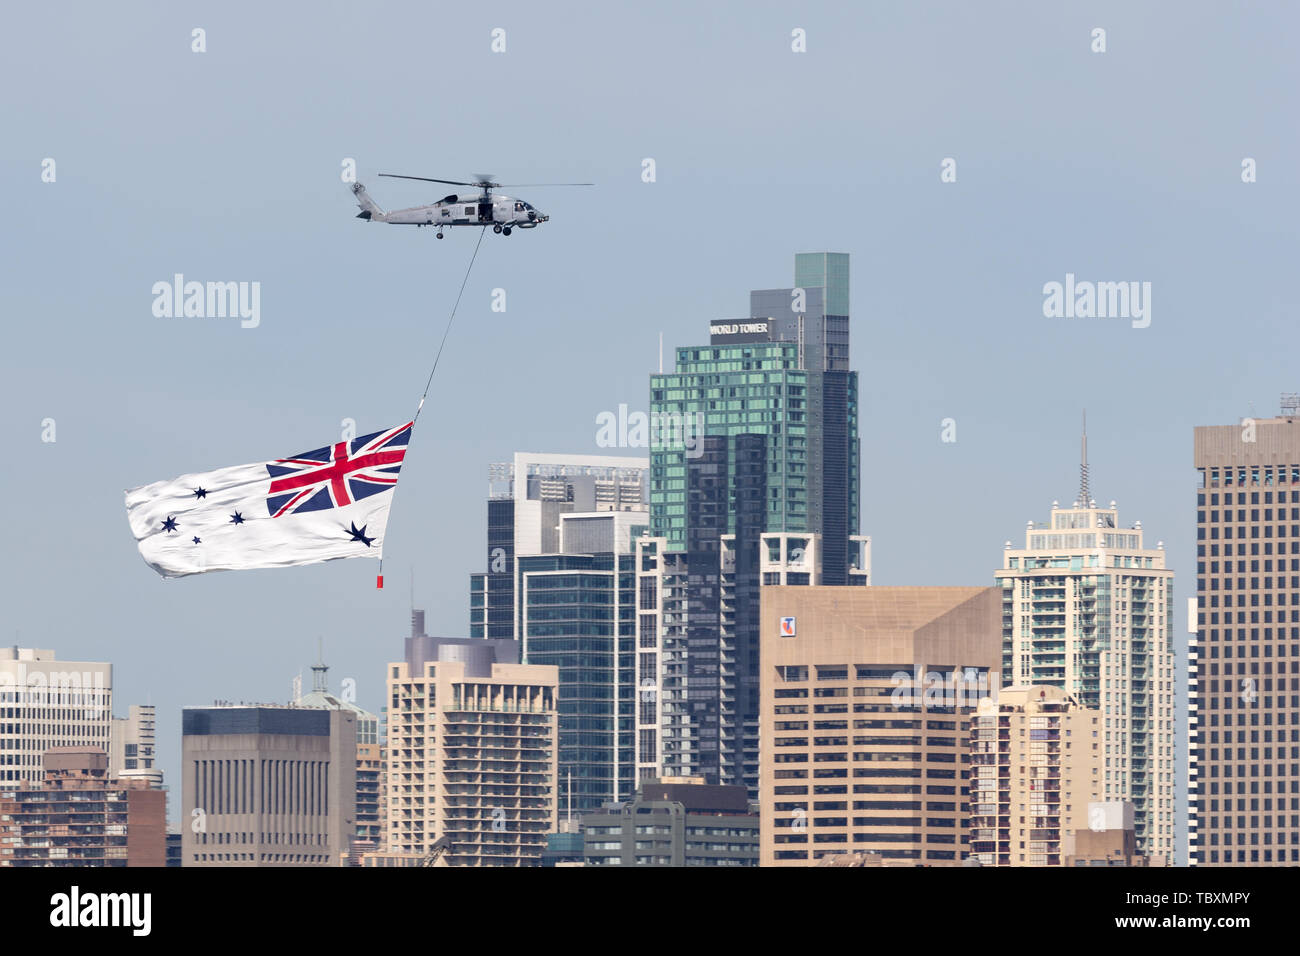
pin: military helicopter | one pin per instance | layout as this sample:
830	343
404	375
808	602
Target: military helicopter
503	213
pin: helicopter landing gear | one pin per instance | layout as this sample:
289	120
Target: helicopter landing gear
439	233
497	228
506	230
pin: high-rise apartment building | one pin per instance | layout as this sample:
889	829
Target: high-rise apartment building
1088	608
1035	769
268	786
47	703
80	815
471	752
1244	686
867	698
755	432
526	497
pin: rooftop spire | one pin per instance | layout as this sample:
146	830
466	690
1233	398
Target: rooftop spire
1084	496
318	670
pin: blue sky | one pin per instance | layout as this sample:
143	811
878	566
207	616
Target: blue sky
225	165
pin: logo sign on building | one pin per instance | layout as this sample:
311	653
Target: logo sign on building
730	333
787	627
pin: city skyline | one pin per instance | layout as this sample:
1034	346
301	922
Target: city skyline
1122	166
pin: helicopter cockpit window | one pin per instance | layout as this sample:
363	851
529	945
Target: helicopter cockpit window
519	207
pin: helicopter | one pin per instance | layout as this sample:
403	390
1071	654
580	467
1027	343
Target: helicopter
503	213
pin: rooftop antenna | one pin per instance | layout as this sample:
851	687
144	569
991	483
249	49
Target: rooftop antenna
1083	466
661	353
318	681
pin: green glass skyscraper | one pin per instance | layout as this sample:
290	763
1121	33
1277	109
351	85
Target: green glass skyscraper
755	432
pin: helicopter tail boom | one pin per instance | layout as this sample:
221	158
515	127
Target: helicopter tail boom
369	208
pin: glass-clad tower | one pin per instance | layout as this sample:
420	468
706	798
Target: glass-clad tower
754	432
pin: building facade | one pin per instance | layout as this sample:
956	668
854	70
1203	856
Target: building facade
471	752
1244	657
370	792
867	698
578	615
268	786
674	823
133	746
1088	608
79	815
755	432
526	498
47	703
1035	768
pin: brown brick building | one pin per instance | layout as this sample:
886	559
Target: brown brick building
79	816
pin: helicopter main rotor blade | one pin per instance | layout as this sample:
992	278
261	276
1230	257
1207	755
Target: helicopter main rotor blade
426	179
534	185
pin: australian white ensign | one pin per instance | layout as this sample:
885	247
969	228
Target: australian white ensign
322	505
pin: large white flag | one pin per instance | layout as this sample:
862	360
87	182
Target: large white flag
318	506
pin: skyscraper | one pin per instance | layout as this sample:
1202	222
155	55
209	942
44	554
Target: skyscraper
1088	608
755	432
526	497
1243	708
578	611
267	786
471	752
868	694
50	703
560	576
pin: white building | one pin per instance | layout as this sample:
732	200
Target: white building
1087	608
47	703
132	752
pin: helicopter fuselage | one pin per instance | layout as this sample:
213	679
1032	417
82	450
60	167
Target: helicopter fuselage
453	210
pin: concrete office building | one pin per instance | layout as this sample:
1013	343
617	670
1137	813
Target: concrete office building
132	745
272	786
1087	607
674	822
371	789
526	498
1244	685
81	816
47	703
1035	768
754	432
867	697
471	752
